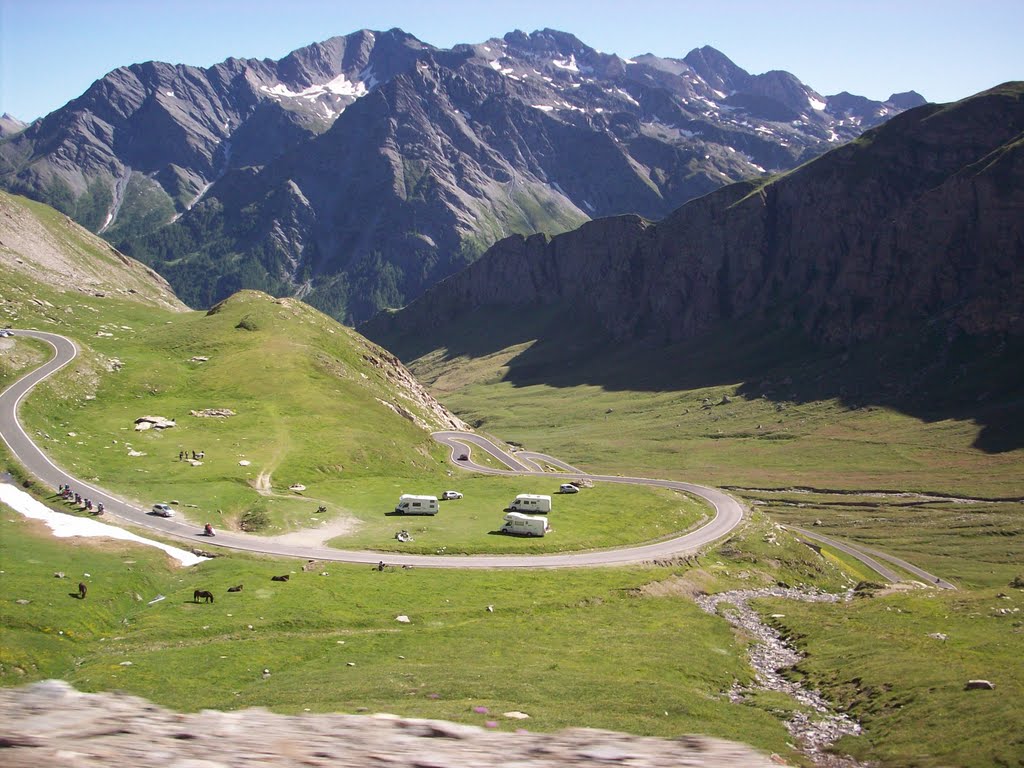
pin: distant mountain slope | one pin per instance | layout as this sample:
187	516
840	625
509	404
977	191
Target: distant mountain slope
920	219
358	171
42	244
915	229
10	125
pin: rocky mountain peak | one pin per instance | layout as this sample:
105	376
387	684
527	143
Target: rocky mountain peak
906	100
717	69
10	125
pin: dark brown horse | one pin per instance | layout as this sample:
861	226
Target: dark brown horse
202	594
280	578
82	589
235	589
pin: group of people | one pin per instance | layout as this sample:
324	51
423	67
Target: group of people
184	455
67	494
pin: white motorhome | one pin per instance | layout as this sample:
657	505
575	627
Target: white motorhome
525	525
531	502
410	504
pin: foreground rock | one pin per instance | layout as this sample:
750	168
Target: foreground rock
50	723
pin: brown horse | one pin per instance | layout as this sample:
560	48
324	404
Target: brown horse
280	578
235	589
82	589
203	594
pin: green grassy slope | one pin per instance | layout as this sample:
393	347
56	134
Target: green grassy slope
610	648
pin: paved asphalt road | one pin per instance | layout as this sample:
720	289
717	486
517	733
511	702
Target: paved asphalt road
728	513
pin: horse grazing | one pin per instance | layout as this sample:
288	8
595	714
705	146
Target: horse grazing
82	589
202	594
280	578
235	589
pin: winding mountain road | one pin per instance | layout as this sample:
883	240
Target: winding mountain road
728	512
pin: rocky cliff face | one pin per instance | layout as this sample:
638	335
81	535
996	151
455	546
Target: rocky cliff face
918	222
358	171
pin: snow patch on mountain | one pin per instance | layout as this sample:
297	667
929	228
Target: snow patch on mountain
339	86
567	64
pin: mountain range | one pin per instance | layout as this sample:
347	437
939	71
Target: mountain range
899	257
359	171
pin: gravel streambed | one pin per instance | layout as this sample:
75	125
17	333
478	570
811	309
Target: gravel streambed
769	653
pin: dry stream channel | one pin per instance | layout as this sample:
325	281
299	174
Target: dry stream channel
816	726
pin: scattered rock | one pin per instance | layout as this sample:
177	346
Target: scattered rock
516	715
22	601
297	487
213	413
244	463
403	619
59	575
153	422
938	635
133	452
198	359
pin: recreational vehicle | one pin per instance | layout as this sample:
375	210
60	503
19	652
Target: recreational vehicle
408	504
532	503
525	525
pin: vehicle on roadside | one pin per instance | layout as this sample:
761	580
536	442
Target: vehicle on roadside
5	333
463	457
568	488
530	502
450	495
162	510
519	524
410	504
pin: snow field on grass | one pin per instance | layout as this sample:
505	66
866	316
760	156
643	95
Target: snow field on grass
64	526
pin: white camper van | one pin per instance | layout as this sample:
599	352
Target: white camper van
408	504
531	502
525	525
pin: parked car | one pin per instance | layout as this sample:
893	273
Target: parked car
450	495
5	333
463	457
568	488
163	510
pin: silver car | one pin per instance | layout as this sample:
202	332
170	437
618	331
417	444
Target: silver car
163	510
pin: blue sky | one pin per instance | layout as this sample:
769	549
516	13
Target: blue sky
52	50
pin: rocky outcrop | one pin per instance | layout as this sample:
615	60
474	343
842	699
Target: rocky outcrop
50	723
917	222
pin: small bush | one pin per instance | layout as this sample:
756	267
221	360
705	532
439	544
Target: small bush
867	588
248	323
255	520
